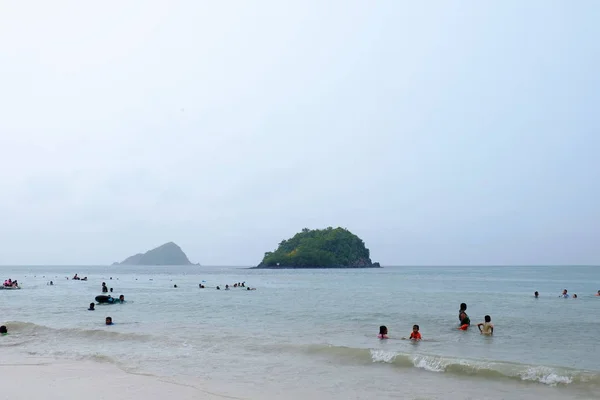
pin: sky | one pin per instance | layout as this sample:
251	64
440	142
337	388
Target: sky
440	132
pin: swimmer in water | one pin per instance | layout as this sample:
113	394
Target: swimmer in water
465	321
383	332
109	321
463	309
122	298
598	294
536	294
3	330
564	294
575	295
92	307
486	328
415	334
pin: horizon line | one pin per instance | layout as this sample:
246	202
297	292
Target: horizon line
250	266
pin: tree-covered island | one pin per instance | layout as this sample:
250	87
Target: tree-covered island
320	248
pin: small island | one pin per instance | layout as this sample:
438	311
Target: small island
320	248
167	254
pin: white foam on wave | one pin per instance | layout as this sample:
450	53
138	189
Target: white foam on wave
383	356
545	375
431	364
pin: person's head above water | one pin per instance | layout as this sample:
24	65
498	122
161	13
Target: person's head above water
415	328
574	295
109	321
383	330
487	318
463	306
122	298
92	307
3	330
565	291
536	294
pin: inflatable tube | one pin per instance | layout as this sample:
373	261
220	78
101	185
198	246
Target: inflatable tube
105	299
464	327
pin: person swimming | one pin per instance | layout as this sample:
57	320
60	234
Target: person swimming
465	321
564	294
536	294
486	328
598	294
122	298
109	321
92	307
463	309
383	332
3	330
415	334
574	295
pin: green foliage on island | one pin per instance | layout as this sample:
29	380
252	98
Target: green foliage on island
320	248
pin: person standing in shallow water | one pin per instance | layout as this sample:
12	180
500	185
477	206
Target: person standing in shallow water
463	309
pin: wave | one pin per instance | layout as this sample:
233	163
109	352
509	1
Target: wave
28	329
547	375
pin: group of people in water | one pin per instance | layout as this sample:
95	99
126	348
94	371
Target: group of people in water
485	328
11	283
228	287
565	294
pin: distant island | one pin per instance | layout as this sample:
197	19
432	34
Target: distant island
320	248
167	254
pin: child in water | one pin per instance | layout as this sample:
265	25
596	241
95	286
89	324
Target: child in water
3	330
465	321
486	328
463	309
383	332
92	307
415	335
109	321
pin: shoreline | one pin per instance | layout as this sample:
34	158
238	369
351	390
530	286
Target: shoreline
57	379
68	379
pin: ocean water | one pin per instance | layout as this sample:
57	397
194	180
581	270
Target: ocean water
312	333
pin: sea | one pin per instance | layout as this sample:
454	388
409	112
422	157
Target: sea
313	333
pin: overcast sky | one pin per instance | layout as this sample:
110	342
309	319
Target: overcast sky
440	132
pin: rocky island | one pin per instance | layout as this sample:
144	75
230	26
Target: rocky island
167	254
320	248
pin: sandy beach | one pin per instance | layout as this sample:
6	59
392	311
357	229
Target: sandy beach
66	380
